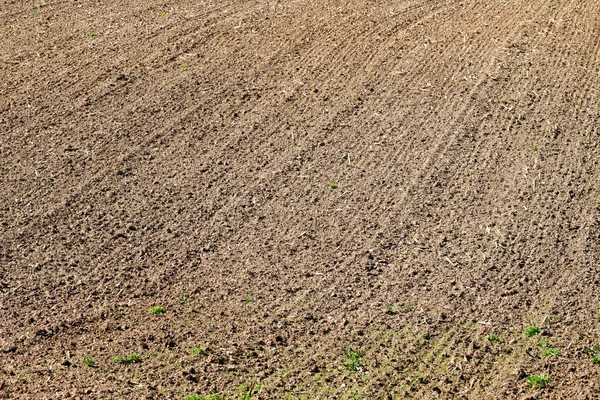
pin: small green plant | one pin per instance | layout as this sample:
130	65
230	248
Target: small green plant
577	12
553	318
389	310
531	331
247	391
185	65
198	351
130	359
91	34
550	352
553	148
332	185
534	146
249	299
35	10
542	343
119	359
89	362
538	381
354	362
157	310
183	299
161	14
594	353
493	338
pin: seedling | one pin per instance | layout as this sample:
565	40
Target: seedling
538	381
130	359
249	299
332	185
91	34
542	343
493	338
594	353
161	14
389	310
550	352
157	310
183	299
198	351
531	332
35	10
185	65
354	362
247	390
89	362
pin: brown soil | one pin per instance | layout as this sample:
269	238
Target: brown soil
151	150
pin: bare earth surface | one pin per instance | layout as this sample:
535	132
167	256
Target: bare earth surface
179	154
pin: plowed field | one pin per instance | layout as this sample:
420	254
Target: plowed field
328	199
